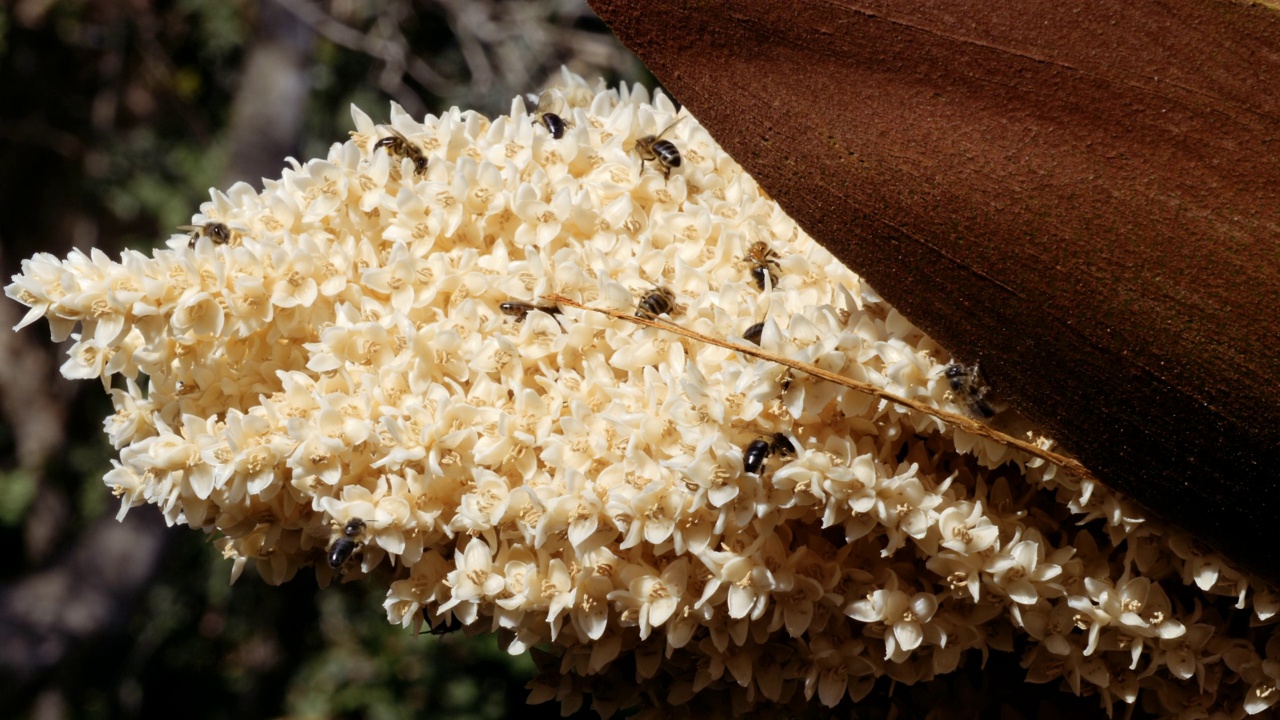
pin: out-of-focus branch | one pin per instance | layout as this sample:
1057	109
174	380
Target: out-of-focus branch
468	21
394	48
270	105
507	48
385	42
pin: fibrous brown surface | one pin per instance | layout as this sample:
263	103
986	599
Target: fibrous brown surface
1084	198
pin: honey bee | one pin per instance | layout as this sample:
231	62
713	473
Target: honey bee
218	232
759	450
970	389
753	333
782	445
346	543
453	624
398	145
761	257
549	104
664	153
656	302
519	310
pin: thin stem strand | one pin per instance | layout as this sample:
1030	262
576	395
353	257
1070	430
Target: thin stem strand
959	422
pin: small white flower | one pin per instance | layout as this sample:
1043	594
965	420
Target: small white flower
902	613
475	577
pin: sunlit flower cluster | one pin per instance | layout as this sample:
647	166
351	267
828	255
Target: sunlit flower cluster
576	480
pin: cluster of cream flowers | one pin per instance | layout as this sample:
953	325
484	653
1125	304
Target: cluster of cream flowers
576	480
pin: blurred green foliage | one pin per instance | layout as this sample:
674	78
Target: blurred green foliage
17	490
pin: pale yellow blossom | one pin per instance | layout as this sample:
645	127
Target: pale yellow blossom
579	482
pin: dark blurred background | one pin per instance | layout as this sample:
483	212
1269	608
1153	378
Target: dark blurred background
115	120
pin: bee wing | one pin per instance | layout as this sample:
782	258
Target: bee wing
654	288
515	307
668	128
549	101
329	532
191	228
398	135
